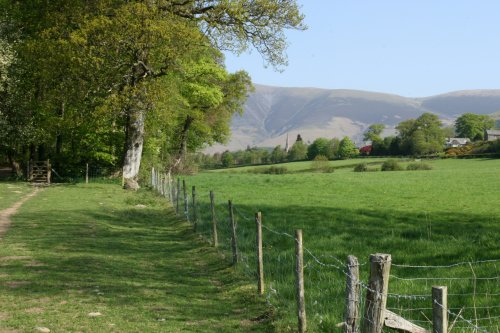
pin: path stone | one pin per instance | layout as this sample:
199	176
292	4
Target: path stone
42	329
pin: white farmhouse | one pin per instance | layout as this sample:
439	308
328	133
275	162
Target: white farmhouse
456	142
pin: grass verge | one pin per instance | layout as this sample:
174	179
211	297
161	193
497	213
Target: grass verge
93	258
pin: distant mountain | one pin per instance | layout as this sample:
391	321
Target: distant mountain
272	113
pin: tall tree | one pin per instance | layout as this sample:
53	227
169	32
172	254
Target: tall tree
373	132
319	146
298	152
347	148
421	136
473	126
125	52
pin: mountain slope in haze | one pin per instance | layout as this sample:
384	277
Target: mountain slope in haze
272	113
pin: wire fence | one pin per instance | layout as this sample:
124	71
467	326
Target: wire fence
472	304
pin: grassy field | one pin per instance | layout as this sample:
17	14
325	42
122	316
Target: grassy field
306	166
12	192
74	251
437	217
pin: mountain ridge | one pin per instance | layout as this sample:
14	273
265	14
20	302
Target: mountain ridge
270	113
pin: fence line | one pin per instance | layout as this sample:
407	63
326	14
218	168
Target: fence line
318	270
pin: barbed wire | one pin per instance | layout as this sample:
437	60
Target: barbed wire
340	266
459	316
463	263
443	278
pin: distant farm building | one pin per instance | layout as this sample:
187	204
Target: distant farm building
456	142
492	135
366	150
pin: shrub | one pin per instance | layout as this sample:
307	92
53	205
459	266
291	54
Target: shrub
362	167
274	170
418	166
391	165
321	164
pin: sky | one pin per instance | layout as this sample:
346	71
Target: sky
413	48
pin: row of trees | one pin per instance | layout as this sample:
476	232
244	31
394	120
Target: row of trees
110	81
422	136
426	135
300	151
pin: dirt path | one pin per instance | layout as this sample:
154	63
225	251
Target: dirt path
7	213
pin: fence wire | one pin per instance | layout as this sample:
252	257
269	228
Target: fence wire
473	301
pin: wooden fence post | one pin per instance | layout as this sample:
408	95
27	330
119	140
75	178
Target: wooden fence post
86	173
214	220
195	216
49	171
260	259
160	191
376	296
440	309
299	274
177	196
184	191
352	296
152	176
234	242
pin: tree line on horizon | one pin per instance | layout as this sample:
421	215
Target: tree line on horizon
423	136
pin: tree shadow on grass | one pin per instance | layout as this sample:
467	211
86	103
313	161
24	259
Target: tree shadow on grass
127	261
331	234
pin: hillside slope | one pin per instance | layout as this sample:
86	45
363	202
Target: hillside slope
273	112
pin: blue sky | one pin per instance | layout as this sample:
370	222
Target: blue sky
413	48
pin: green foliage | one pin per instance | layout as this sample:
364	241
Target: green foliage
129	71
278	155
275	170
347	149
298	152
391	165
473	126
361	167
272	170
227	159
421	136
418	166
321	164
373	132
318	147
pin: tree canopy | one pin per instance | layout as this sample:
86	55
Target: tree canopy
473	126
103	81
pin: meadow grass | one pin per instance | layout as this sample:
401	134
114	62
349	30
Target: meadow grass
306	166
74	250
10	192
434	217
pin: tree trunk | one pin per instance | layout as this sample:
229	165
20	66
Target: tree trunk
15	166
134	142
59	140
184	136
